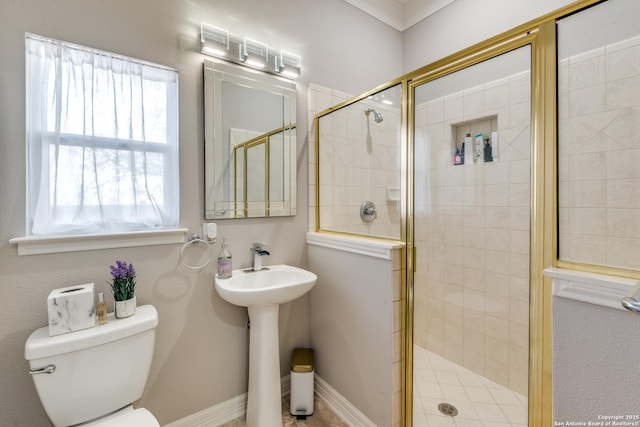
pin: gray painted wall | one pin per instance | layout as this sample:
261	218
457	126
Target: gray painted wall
464	23
202	343
596	355
351	328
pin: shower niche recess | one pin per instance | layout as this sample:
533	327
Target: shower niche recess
475	141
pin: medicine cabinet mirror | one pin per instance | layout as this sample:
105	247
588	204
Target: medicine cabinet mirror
250	143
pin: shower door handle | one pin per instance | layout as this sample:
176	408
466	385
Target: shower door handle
630	302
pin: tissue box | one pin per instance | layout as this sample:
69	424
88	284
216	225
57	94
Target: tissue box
71	309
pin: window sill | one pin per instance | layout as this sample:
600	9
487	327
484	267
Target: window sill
48	245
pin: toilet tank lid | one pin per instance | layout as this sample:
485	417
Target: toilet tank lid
40	345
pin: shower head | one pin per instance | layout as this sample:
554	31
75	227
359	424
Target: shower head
376	115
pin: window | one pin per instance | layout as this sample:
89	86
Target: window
102	135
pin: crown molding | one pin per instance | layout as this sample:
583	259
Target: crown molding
417	10
390	11
400	14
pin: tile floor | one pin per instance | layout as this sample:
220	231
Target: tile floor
322	417
480	402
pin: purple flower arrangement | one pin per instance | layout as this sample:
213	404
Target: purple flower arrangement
124	280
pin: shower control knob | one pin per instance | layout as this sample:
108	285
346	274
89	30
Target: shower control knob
368	211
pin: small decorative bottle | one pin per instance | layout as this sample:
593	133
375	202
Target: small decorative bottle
225	269
457	158
101	310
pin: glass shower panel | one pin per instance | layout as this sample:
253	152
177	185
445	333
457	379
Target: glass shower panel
599	135
359	161
472	201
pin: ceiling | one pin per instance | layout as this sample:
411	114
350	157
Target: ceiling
400	14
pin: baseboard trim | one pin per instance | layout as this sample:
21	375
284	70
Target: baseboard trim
217	415
340	405
236	407
224	412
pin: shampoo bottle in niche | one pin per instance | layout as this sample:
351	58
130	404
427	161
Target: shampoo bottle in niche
468	150
225	268
101	310
479	148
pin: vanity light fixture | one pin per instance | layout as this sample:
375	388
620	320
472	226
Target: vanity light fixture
219	43
288	64
254	53
214	41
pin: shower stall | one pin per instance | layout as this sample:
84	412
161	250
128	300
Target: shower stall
472	145
470	156
492	165
466	173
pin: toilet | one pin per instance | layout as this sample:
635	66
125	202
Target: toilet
91	377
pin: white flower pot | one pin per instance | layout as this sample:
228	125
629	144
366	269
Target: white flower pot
126	308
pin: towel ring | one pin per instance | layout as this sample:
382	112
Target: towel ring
194	240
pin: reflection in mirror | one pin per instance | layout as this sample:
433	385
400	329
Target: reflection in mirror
256	180
250	143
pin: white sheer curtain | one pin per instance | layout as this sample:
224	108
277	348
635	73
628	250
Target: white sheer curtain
102	134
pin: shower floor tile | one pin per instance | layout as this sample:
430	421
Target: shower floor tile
480	402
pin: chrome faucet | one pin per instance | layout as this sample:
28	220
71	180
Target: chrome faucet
258	250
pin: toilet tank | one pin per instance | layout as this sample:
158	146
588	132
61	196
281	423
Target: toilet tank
97	370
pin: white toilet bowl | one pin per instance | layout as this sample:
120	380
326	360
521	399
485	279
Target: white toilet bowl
126	417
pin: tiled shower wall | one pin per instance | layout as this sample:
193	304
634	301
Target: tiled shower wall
471	287
599	156
360	161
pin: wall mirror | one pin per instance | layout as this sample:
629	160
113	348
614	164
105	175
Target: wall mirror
250	143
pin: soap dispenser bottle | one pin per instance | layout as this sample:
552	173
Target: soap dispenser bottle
487	151
225	269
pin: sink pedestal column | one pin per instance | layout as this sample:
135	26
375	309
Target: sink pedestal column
264	403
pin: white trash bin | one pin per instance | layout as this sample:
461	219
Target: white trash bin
302	373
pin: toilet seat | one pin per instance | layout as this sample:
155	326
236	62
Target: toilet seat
126	417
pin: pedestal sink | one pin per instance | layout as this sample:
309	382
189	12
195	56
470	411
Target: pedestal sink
262	292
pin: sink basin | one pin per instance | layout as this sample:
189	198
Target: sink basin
262	292
276	284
